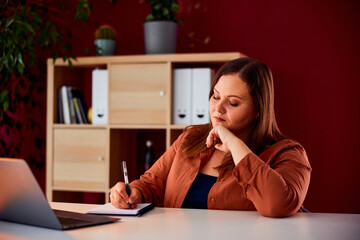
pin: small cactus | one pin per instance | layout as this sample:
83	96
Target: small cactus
105	32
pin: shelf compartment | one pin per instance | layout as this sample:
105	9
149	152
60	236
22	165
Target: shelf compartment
80	158
79	196
130	145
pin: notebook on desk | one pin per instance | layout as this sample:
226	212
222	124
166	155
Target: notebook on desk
22	201
109	209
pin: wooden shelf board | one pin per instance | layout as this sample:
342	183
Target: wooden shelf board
174	58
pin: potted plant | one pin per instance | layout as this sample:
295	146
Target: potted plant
30	32
105	40
160	27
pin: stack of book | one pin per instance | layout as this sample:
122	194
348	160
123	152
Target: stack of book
72	108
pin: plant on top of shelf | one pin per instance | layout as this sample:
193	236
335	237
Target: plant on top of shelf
162	10
105	32
160	27
105	40
172	10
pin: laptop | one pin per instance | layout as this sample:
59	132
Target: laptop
22	201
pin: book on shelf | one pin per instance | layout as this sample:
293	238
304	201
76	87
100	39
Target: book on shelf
81	105
72	107
77	110
83	110
60	107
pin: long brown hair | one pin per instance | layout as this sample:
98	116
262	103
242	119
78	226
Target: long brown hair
264	130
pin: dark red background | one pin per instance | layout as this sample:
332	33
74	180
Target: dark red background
312	47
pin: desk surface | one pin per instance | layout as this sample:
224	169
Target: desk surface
170	223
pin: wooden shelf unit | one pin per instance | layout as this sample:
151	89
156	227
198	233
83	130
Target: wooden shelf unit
85	157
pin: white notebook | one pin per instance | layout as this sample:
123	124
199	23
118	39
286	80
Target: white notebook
109	209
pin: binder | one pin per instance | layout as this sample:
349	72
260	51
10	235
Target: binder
201	81
64	97
99	96
182	96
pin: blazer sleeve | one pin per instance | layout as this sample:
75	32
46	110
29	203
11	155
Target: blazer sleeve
277	186
153	182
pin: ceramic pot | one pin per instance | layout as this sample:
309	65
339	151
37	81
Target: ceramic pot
105	47
160	37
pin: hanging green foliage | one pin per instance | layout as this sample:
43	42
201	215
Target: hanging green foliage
28	28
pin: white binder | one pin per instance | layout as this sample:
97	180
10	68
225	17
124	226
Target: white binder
99	96
201	81
65	104
182	99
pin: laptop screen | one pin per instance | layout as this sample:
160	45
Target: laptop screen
22	200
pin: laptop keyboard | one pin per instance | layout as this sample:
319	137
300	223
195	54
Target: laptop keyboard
71	221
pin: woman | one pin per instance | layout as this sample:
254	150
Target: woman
239	161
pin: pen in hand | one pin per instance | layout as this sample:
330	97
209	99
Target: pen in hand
126	179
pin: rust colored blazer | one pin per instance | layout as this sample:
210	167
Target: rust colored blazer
274	183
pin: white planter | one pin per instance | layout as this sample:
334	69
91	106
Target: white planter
105	47
160	37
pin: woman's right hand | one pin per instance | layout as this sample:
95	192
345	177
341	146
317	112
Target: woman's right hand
120	199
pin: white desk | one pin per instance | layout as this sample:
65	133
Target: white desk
168	223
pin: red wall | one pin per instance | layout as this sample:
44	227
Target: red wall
312	47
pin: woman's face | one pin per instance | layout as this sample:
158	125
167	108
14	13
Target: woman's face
232	106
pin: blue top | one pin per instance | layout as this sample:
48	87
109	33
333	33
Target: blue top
197	195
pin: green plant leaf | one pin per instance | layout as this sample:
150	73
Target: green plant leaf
149	18
70	62
4	100
21	65
166	12
174	7
157	6
3	95
20	58
6	104
30	40
29	27
9	22
83	11
53	34
55	56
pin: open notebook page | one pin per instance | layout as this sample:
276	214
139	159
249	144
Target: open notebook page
109	209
